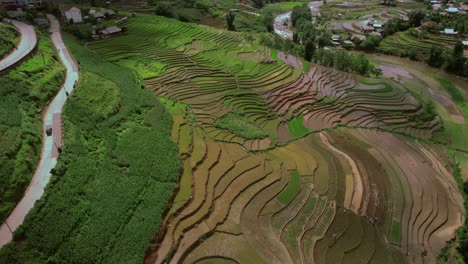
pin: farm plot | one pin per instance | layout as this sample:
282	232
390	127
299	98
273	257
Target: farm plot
333	196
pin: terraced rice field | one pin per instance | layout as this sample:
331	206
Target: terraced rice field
403	41
336	179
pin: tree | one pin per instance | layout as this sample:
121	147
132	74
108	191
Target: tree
230	17
259	3
436	58
165	9
309	49
361	65
457	63
299	12
415	18
268	19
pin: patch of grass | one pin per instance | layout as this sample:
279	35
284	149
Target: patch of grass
288	194
305	65
239	126
454	92
395	232
297	128
9	38
286	6
98	94
387	88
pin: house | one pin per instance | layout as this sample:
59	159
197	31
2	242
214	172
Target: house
109	13
358	36
434	2
111	31
348	42
335	38
449	31
30	2
96	14
451	10
436	7
72	14
367	29
377	25
42	22
16	14
465	44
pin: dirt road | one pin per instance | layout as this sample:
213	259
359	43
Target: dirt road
27	43
50	144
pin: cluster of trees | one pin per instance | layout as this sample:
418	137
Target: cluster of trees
453	61
343	61
394	25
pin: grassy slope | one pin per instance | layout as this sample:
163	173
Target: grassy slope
23	93
8	39
297	128
288	194
114	178
239	126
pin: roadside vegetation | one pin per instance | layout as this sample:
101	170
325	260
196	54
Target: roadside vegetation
115	176
24	92
9	38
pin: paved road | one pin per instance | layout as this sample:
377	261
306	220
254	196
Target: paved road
26	45
49	154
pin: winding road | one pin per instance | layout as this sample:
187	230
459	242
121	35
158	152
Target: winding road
50	144
27	44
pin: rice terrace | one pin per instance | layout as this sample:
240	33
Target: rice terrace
233	131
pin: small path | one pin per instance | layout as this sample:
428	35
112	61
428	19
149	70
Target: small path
50	144
27	44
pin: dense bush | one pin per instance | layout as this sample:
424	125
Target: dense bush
343	61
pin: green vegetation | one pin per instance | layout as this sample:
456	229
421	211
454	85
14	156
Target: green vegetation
24	92
239	126
297	128
454	92
8	39
114	178
288	194
387	88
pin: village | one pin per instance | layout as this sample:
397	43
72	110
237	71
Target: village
84	23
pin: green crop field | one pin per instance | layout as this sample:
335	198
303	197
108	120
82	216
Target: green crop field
288	194
297	128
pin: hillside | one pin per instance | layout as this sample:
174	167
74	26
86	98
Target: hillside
278	160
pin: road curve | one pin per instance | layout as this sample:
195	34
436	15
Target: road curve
27	43
50	144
